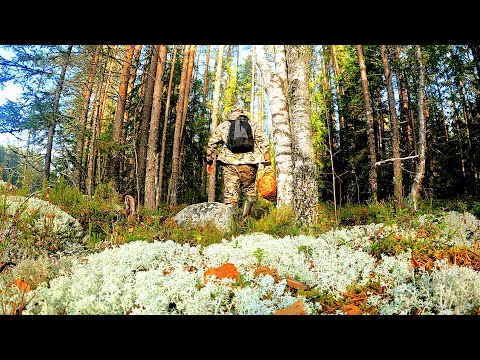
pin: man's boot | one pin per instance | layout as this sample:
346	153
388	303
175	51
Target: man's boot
248	204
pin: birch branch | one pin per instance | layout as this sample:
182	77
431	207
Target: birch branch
393	159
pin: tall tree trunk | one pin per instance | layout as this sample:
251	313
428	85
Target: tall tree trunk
115	165
204	107
145	122
338	87
275	85
95	123
106	102
261	107
381	131
370	129
420	167
252	90
305	190
188	81
173	182
55	116
87	93
161	162
403	97
397	163
215	107
330	122
131	80
475	49
205	79
470	133
153	134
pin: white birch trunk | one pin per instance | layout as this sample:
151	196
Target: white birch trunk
275	83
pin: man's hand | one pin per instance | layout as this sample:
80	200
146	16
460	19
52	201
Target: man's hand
210	169
266	156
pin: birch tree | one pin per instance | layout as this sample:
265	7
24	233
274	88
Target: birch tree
422	136
305	189
275	82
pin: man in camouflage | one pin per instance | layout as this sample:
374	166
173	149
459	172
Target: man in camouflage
239	169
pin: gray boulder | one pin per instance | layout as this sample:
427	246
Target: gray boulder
200	214
43	215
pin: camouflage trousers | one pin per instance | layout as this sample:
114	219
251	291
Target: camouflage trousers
238	180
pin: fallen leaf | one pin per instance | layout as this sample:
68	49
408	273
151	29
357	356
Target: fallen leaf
296	284
296	308
351	309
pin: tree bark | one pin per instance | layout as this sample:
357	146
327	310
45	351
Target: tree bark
305	190
215	107
95	123
420	166
397	163
173	182
145	121
153	134
115	165
402	95
275	83
161	161
87	93
55	116
188	81
370	129
205	78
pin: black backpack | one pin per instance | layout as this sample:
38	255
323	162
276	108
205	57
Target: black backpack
240	135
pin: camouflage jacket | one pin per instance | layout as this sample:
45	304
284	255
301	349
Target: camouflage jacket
219	139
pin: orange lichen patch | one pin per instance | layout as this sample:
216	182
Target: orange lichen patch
297	308
32	211
227	270
22	285
397	237
83	260
351	309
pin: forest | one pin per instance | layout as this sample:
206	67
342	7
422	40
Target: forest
358	134
347	123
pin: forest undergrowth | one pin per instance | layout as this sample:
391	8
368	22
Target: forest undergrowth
373	260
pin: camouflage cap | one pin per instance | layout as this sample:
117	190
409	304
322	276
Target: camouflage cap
236	112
